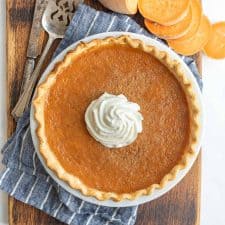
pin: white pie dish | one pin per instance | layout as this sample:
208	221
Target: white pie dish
179	176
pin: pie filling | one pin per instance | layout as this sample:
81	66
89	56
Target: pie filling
143	79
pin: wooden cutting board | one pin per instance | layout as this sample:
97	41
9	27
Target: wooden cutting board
181	206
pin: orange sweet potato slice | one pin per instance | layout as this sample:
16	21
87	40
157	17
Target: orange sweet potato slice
195	21
166	12
195	43
170	32
215	48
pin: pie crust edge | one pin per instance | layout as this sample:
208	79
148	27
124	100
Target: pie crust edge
53	163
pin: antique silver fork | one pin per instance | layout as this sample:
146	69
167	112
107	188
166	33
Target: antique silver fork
55	20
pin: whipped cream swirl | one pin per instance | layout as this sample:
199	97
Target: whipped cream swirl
113	121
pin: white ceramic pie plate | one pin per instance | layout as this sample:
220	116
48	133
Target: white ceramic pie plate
156	193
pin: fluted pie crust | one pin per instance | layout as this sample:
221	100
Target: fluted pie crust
75	182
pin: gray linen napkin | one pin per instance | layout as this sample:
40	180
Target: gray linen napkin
24	176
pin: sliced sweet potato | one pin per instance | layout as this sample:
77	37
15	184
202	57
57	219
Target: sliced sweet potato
215	47
195	21
166	12
195	43
170	32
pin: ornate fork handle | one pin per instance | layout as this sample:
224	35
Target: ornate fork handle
25	98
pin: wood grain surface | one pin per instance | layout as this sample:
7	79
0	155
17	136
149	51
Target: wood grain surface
180	206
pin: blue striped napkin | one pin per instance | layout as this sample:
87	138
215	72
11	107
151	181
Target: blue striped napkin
24	176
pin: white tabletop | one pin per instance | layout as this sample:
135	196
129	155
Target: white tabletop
213	179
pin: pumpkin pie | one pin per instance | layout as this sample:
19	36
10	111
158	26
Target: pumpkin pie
146	76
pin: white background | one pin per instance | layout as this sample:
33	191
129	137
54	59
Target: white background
213	179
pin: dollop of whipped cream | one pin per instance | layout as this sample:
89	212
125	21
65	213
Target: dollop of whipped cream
113	121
